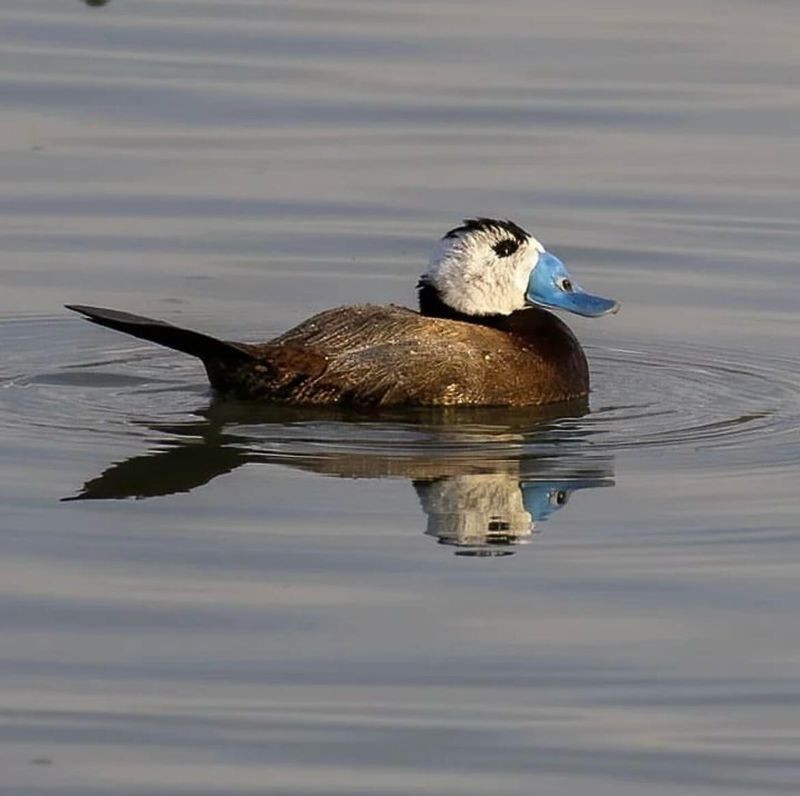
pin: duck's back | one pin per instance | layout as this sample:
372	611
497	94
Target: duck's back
387	355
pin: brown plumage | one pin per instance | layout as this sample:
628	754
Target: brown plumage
372	356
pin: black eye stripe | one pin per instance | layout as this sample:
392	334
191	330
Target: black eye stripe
505	248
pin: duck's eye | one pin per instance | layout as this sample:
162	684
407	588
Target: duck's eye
560	497
565	284
504	248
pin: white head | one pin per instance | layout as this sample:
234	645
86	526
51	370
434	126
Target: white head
489	266
483	266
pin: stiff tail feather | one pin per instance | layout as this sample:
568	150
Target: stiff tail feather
200	345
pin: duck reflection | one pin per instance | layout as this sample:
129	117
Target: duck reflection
486	478
485	514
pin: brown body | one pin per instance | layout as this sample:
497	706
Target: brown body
373	356
387	355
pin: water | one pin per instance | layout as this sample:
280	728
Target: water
203	597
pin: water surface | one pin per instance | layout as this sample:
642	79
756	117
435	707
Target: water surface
206	597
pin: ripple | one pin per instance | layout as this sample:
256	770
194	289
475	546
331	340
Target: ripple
694	397
59	382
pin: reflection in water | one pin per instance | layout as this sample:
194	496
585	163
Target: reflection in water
485	478
485	513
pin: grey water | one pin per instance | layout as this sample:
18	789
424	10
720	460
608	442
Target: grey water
204	597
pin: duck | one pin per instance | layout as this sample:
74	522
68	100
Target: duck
484	334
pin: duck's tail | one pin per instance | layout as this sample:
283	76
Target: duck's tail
209	349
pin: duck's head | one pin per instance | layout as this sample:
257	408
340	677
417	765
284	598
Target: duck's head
494	267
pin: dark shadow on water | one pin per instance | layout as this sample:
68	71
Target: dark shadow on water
485	477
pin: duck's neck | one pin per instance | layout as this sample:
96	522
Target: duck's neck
432	306
530	323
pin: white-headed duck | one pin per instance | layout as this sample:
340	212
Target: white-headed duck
482	336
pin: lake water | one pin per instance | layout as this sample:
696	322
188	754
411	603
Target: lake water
307	603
